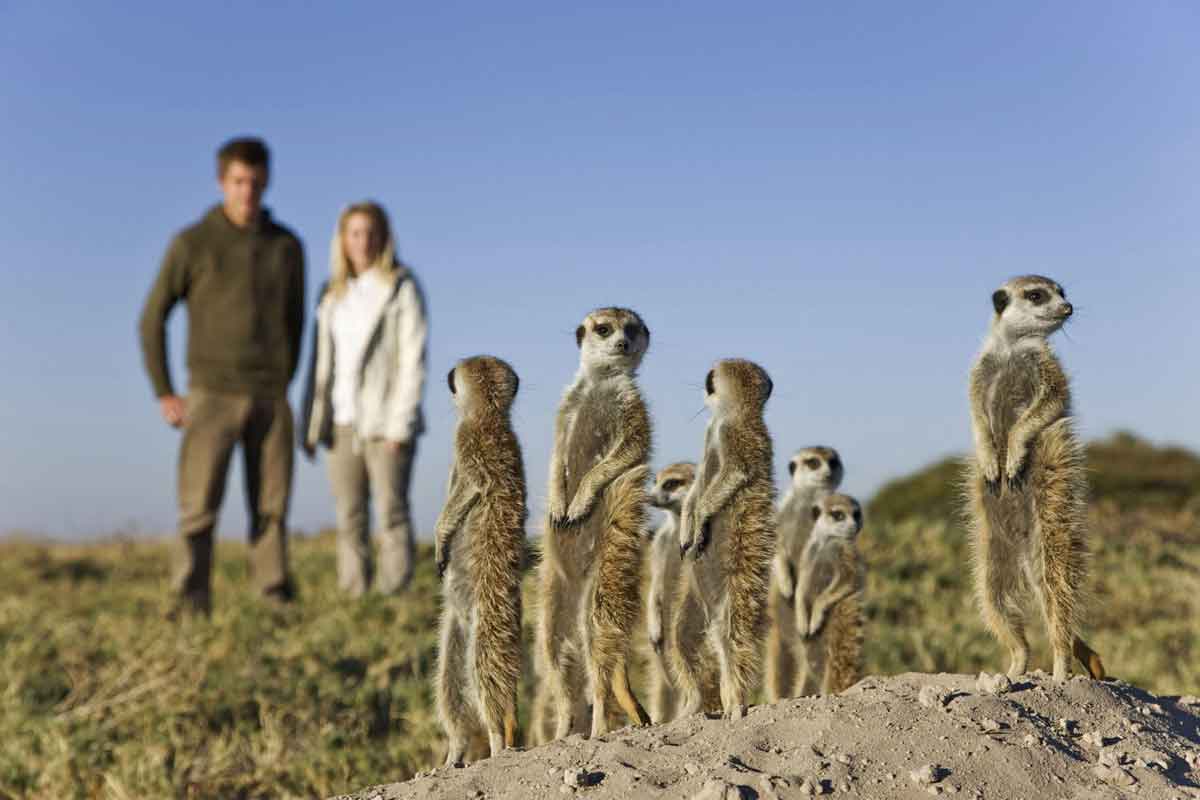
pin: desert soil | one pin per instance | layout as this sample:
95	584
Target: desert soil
906	736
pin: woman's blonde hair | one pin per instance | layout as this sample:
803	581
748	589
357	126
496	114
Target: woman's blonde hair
386	262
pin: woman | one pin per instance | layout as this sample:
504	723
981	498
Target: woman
363	397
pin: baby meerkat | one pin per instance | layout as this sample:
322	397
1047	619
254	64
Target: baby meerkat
591	566
728	526
829	613
815	472
670	486
480	543
1026	484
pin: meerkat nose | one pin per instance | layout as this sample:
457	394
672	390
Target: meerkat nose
1068	309
623	345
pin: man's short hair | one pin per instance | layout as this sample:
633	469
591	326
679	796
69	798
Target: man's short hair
249	150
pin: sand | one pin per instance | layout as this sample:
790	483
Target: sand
907	736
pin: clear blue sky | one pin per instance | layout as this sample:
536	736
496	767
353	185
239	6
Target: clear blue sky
832	190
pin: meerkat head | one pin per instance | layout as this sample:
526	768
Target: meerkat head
1029	306
837	515
483	384
816	468
735	386
612	338
671	484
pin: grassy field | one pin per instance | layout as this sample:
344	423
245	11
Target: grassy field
101	697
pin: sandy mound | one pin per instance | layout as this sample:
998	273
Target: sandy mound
902	737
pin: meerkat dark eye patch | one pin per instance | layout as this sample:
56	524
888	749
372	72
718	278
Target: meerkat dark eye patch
816	513
812	463
709	383
1000	300
604	330
450	381
838	516
579	334
1036	296
671	485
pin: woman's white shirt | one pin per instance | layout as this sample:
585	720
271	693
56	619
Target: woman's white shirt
352	320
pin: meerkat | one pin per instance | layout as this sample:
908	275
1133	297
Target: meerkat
591	567
1026	484
480	541
829	585
727	525
670	486
815	472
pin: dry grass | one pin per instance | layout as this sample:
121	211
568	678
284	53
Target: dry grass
100	697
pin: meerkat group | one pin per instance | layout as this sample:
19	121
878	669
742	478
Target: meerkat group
726	567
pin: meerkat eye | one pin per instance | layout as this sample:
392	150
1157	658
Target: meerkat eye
812	463
838	516
603	331
709	383
1037	297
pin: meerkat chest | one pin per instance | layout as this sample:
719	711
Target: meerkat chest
1011	390
593	427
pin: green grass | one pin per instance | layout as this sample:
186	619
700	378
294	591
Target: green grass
101	697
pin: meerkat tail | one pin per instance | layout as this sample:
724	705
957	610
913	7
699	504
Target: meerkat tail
1089	658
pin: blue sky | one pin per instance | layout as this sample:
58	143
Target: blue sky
832	190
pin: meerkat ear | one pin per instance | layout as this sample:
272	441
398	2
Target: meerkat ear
791	468
1000	300
579	332
710	386
646	330
516	383
450	379
816	513
770	387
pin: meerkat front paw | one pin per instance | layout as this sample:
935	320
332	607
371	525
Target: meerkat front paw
580	508
1014	469
556	509
814	625
441	555
990	467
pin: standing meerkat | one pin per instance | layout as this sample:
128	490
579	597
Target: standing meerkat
480	542
829	586
728	526
1026	485
815	472
591	566
670	487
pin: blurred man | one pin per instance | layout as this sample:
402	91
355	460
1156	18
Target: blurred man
242	277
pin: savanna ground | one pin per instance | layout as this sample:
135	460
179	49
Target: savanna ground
101	697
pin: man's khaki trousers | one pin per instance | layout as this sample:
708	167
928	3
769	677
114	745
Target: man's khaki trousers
371	471
216	423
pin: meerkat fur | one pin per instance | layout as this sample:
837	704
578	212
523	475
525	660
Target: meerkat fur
1026	485
591	570
815	472
727	540
480	540
670	486
829	587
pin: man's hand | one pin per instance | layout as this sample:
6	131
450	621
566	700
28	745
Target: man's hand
173	410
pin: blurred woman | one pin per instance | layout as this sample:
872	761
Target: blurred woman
363	396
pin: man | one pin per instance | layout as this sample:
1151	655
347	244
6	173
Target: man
242	277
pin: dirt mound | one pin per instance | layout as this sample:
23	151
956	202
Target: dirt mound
906	736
